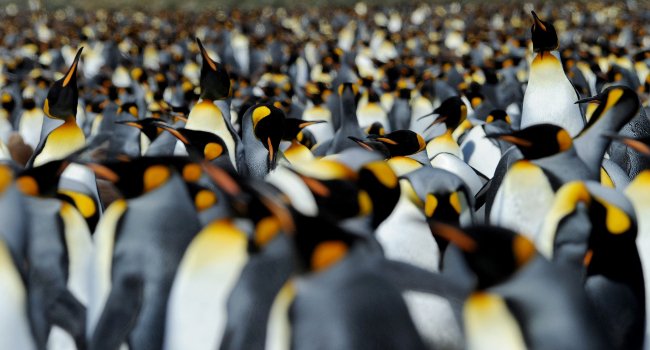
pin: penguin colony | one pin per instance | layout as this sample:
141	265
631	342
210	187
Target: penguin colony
377	179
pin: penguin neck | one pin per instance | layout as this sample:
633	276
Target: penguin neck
349	118
591	145
61	142
206	116
297	152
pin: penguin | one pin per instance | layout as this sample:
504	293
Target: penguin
549	96
518	294
263	128
130	285
31	123
372	112
481	153
349	124
148	131
59	250
400	112
401	142
205	115
61	103
203	309
452	112
293	132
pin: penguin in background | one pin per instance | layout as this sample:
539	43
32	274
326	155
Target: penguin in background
206	115
139	243
59	249
482	153
124	140
263	128
294	133
518	295
453	113
549	96
148	131
629	160
349	124
372	112
399	116
61	103
318	95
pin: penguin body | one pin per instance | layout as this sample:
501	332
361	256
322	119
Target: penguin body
140	281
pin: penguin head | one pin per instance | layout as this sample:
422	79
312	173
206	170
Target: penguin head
372	145
349	94
130	108
612	238
543	34
494	254
7	101
135	177
402	142
268	127
381	184
376	129
199	144
147	126
451	111
214	81
61	100
293	127
41	181
538	141
498	115
619	103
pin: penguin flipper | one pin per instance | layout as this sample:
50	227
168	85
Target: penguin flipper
69	314
119	315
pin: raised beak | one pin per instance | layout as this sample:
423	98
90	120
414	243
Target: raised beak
206	57
72	72
538	22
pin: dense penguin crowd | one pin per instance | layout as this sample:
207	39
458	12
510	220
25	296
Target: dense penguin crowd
444	176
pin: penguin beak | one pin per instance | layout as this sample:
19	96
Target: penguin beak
438	120
129	123
306	124
72	72
454	235
511	139
104	172
634	144
171	130
361	143
206	57
272	153
386	140
595	99
222	179
537	21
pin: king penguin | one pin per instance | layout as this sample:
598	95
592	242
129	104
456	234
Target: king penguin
549	96
139	243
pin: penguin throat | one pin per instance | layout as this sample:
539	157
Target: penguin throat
61	142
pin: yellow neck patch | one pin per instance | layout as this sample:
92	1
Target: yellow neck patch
155	176
204	199
523	250
365	203
327	254
192	172
84	203
430	205
616	221
454	200
266	230
383	173
61	142
564	140
260	113
212	150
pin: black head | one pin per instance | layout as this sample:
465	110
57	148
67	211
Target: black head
452	112
199	144
61	100
215	81
147	126
544	35
402	142
494	254
268	126
538	141
498	115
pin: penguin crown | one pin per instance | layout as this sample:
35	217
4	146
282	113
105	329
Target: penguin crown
543	35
